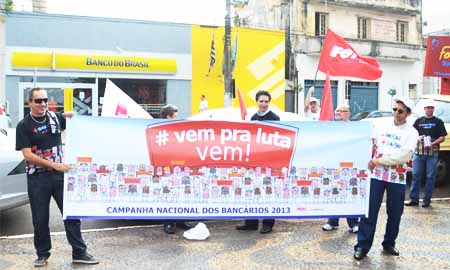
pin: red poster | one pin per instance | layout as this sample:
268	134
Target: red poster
220	143
437	60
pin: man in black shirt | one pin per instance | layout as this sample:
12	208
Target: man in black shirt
38	136
431	133
263	114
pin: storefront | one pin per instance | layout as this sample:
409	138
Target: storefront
72	57
154	63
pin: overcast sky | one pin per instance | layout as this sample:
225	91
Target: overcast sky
211	12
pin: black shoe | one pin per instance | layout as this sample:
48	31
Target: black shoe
40	261
266	229
184	225
169	228
246	228
85	258
412	203
359	254
426	204
391	250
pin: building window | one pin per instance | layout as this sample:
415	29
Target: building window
321	23
363	28
413	92
402	31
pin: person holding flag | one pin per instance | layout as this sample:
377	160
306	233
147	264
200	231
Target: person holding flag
312	107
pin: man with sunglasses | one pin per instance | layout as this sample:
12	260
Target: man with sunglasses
263	114
342	113
394	144
38	136
432	132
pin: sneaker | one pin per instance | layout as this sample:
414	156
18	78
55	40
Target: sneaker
327	227
426	204
85	258
40	261
199	232
354	229
412	203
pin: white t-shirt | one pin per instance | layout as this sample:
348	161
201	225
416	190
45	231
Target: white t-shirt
203	105
313	116
391	140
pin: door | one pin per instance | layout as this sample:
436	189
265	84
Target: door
363	97
82	95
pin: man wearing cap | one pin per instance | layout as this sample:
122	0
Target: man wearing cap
312	106
342	113
394	145
431	133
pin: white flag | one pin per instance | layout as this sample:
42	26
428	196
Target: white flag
117	103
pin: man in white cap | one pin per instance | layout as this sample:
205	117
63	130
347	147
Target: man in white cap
431	133
312	106
394	145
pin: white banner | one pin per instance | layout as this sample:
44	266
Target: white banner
158	169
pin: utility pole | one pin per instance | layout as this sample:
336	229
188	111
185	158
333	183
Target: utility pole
227	58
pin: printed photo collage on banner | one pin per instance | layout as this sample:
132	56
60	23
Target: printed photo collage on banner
88	181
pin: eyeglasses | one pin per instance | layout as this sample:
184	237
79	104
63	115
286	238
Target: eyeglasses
40	100
397	110
341	111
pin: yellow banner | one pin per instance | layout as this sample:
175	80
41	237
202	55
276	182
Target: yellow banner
93	62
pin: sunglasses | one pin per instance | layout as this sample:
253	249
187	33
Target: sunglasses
399	111
40	100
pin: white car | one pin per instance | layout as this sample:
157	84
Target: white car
13	180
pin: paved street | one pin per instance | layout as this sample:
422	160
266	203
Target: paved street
298	244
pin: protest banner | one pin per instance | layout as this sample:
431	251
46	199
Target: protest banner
158	169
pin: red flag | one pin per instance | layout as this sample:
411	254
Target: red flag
326	108
340	59
242	105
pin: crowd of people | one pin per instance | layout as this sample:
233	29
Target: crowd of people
39	138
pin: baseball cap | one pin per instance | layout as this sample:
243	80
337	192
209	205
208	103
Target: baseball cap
406	101
429	103
313	99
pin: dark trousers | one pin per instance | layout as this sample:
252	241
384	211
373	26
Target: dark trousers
352	222
394	209
41	187
255	222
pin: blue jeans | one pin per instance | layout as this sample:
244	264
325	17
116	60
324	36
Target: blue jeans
423	166
352	222
394	209
41	187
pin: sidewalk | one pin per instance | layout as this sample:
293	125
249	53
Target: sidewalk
423	242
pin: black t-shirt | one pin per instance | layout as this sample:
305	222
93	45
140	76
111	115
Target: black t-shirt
270	116
43	136
433	127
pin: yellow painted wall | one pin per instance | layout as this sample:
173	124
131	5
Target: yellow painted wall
259	66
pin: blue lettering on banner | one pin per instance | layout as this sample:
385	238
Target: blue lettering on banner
129	210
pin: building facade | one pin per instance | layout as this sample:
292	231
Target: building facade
389	30
155	63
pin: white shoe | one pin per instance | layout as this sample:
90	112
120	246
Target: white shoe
328	227
354	229
199	232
